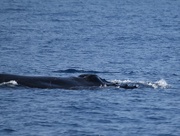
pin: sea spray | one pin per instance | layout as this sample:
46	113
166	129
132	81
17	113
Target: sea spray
158	84
9	83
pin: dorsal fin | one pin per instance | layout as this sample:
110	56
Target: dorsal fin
91	78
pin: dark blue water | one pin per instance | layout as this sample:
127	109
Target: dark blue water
127	41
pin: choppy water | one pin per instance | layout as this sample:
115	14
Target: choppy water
126	41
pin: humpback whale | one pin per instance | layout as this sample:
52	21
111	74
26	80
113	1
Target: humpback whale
81	81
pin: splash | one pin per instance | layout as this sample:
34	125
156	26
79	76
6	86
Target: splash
162	83
9	83
158	84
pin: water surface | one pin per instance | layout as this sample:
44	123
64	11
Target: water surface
123	41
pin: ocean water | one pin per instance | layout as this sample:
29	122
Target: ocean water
124	41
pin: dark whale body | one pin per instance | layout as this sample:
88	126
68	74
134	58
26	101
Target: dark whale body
82	81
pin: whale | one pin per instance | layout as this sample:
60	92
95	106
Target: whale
74	82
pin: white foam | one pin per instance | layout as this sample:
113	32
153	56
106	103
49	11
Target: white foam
158	84
162	83
11	83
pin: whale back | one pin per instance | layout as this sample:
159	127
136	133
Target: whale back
84	80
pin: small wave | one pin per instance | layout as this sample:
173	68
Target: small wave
8	130
9	83
82	71
158	84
